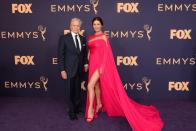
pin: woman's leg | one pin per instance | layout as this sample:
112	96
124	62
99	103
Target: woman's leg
98	96
91	92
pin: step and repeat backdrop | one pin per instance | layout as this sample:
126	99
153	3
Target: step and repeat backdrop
153	42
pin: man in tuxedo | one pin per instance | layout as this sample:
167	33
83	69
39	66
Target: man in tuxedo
73	63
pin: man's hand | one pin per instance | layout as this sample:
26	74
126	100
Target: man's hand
82	86
64	75
86	67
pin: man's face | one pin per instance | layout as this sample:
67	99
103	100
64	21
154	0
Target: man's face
75	26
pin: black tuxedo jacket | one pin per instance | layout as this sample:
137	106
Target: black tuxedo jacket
69	58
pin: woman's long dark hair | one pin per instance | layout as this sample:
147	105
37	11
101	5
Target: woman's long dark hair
98	19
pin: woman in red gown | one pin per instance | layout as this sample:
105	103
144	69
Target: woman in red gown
106	91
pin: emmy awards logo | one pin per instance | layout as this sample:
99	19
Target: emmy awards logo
68	31
44	81
148	30
95	4
82	32
146	83
42	31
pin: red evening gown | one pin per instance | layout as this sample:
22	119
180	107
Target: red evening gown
114	99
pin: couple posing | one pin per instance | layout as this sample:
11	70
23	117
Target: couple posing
105	91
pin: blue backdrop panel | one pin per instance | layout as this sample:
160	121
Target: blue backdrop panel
153	42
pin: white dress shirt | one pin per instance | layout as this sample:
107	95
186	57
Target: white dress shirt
73	35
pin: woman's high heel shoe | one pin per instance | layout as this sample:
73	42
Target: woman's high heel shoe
99	109
89	119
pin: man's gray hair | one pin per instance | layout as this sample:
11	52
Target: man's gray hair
76	19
